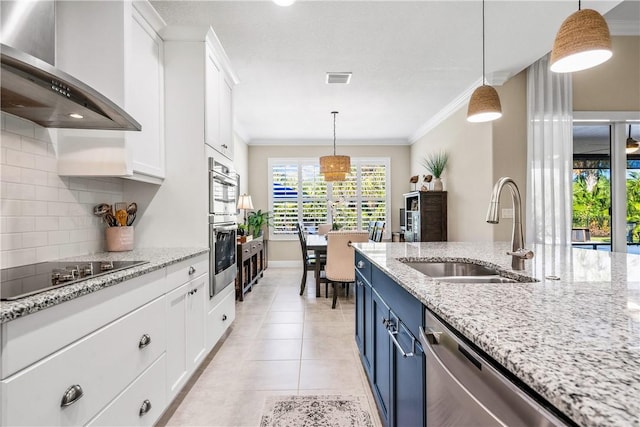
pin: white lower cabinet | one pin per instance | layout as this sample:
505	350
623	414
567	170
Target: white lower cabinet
140	404
127	358
221	313
71	385
186	310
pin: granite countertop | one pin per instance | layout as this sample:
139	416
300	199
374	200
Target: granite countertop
158	258
575	341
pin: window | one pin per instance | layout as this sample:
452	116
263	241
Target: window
299	193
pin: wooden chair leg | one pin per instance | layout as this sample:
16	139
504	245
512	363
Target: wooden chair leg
335	295
304	280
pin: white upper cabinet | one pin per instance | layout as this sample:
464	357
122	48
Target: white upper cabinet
198	62
115	48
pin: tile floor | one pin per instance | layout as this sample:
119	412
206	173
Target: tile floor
279	343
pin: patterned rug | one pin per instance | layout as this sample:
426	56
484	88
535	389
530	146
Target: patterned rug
316	411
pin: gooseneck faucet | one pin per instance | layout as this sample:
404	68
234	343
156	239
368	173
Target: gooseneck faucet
518	252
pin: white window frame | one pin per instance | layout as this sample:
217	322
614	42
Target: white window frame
386	161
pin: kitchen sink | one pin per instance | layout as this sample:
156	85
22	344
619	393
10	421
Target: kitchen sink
461	272
447	269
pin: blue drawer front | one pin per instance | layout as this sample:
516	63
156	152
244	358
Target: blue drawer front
402	303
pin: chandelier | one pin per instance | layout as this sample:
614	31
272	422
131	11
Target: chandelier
335	168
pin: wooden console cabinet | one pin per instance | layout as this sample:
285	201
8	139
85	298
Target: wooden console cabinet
252	261
426	216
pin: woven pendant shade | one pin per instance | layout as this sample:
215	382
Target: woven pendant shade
484	105
334	176
335	168
583	41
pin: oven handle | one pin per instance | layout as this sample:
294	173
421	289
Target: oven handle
225	226
225	179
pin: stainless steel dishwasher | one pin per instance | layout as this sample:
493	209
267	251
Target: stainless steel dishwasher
463	389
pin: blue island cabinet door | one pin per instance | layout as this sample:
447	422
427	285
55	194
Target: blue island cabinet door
381	357
364	339
408	381
360	319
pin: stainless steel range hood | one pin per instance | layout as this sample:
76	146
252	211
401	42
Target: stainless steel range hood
32	88
36	91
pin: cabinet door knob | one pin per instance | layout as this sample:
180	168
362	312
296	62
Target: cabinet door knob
224	317
360	264
145	340
71	395
192	270
145	407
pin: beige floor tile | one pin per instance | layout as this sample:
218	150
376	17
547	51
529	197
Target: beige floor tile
328	348
281	343
339	374
275	350
284	317
280	331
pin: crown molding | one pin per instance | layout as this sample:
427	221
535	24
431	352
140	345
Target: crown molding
445	112
343	142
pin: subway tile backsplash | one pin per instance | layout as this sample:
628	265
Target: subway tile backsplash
44	216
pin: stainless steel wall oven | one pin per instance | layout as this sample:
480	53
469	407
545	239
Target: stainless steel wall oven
223	193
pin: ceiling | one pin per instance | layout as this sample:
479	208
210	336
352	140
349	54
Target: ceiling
410	60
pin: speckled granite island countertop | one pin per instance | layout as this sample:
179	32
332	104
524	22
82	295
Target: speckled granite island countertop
576	340
158	258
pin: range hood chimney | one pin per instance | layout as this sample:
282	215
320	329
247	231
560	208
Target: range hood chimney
34	89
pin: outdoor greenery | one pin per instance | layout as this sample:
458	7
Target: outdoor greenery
592	200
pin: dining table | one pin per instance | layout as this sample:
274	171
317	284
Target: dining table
318	244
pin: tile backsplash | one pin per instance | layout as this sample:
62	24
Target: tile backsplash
44	216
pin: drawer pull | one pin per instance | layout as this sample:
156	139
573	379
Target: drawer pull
360	264
224	317
192	270
145	407
145	340
71	395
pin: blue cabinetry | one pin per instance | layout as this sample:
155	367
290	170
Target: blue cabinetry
387	323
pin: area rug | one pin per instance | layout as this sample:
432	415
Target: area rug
316	411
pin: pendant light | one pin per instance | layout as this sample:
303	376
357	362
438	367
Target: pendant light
632	145
583	41
484	104
335	168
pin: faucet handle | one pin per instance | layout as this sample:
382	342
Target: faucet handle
521	253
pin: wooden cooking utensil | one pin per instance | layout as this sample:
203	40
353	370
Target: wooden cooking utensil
121	216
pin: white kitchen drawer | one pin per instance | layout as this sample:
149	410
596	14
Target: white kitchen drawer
220	317
180	273
29	339
102	364
147	391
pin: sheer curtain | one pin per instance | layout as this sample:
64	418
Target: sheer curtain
549	155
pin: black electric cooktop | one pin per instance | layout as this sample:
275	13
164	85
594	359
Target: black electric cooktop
26	280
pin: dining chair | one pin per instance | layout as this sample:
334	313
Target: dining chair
372	229
309	261
323	229
379	231
341	258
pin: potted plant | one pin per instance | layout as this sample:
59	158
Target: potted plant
256	221
435	164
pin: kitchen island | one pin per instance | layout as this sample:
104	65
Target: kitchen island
573	336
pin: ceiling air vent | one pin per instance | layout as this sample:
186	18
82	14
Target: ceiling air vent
338	78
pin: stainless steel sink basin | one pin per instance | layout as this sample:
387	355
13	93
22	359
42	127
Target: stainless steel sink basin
459	272
476	279
448	269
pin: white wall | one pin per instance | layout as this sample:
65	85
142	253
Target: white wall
43	216
468	176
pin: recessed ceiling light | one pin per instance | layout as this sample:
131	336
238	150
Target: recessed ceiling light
338	78
284	2
76	116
